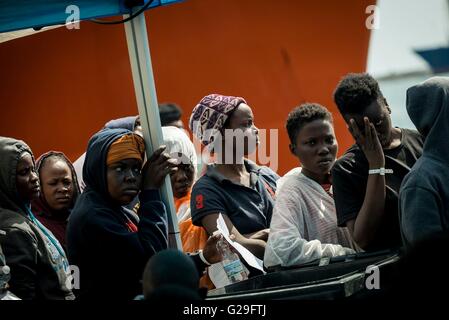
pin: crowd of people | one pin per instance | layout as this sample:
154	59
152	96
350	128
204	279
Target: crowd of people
104	213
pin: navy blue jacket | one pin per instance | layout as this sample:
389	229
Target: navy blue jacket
110	257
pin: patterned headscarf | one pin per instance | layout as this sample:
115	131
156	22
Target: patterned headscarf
210	114
126	147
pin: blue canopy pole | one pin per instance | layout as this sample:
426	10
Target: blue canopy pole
142	71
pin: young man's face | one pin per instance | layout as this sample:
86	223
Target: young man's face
378	114
316	147
124	180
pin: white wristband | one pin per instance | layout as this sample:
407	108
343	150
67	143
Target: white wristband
200	252
380	171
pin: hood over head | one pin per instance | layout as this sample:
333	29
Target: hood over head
128	123
428	108
95	169
11	150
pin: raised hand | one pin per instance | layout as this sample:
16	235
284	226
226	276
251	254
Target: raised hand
157	167
369	142
210	250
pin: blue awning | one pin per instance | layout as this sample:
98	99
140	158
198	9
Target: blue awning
22	14
437	58
26	14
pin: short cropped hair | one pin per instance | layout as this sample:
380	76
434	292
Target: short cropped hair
304	114
355	92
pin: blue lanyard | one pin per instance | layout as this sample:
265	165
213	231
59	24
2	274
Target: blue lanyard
51	238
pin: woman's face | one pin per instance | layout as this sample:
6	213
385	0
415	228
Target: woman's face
124	180
57	184
316	148
182	179
241	134
27	181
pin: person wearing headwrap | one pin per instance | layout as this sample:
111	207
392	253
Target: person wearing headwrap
210	115
131	123
234	186
424	193
181	148
59	192
108	242
39	267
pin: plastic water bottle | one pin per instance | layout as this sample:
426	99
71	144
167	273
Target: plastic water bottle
232	265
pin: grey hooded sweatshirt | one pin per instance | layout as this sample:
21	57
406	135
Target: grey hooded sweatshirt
424	193
36	264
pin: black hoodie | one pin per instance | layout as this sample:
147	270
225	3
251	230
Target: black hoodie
424	195
110	257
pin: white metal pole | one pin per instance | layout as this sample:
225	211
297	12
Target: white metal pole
142	71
